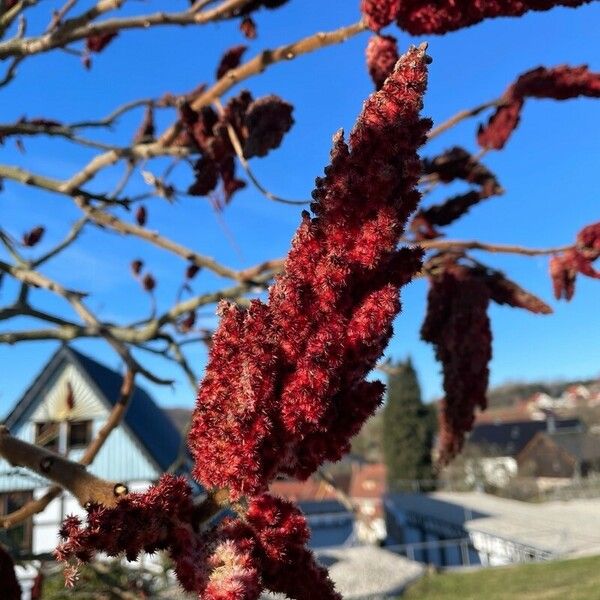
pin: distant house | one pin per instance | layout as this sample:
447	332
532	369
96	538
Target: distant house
62	410
509	438
496	446
560	454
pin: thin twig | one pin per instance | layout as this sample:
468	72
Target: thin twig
82	27
8	17
237	146
30	129
461	116
10	71
73	234
59	15
495	248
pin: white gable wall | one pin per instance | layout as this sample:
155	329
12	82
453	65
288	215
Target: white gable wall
122	458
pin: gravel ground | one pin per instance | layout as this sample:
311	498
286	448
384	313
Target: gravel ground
367	572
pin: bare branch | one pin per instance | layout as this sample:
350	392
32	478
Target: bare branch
49	184
114	419
60	14
143	332
112	117
263	60
112	222
38	280
75	299
82	26
30	129
69	475
495	248
141	151
10	71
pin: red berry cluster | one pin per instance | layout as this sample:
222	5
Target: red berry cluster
33	236
98	41
230	60
285	387
420	17
259	124
578	260
147	129
377	14
457	324
235	560
289	375
382	55
455	163
559	83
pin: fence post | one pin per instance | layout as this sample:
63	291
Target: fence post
464	552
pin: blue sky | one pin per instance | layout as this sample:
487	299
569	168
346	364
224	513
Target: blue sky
549	170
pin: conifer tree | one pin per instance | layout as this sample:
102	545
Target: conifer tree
408	427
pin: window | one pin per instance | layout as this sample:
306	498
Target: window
79	434
18	539
47	435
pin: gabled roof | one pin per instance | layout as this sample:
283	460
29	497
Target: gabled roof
151	426
581	446
508	439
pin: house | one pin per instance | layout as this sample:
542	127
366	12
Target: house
560	454
510	437
63	409
493	448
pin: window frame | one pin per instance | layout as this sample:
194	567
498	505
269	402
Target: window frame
55	446
87	423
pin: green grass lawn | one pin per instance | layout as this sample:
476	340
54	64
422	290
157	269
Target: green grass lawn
565	580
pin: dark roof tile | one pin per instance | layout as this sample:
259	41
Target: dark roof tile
508	439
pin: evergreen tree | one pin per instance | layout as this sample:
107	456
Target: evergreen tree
408	429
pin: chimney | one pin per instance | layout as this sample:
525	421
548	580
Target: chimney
550	422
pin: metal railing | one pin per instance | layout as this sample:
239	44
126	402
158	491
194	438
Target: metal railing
417	550
469	552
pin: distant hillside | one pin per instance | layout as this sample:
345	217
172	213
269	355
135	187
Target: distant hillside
512	392
367	443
